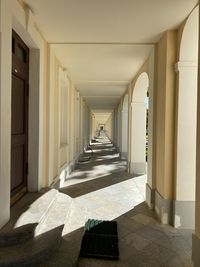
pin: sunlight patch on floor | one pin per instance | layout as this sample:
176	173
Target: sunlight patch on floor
104	204
107	203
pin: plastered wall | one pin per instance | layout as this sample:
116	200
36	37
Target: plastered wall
165	115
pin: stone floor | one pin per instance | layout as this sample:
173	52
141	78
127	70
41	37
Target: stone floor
108	192
102	189
143	242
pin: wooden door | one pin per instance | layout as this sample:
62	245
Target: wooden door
19	120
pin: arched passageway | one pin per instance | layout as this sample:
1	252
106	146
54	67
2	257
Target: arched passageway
138	125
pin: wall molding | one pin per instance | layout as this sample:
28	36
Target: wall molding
185	65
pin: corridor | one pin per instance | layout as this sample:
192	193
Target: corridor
102	187
99	119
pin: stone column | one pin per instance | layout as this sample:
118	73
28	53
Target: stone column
124	133
138	138
184	203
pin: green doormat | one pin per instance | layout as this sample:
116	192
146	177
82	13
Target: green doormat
100	240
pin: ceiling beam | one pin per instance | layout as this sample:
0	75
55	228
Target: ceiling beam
81	82
101	43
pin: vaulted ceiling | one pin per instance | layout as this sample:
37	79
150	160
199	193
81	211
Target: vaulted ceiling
103	43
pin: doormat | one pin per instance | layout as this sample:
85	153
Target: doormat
100	240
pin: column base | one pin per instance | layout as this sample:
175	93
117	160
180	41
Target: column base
124	155
195	250
150	196
138	167
184	214
163	208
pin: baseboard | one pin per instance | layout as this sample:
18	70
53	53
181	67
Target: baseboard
150	196
184	214
163	209
195	250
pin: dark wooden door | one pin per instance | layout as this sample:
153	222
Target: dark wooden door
19	120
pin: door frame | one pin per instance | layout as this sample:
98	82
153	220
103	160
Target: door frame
34	178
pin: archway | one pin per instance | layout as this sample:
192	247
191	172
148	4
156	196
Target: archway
125	127
138	125
185	169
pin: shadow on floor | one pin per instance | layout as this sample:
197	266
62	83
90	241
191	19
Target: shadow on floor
143	241
20	207
80	189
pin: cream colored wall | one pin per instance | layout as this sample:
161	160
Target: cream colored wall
64	154
165	81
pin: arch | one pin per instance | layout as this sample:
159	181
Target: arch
189	38
125	102
124	151
138	124
140	88
185	170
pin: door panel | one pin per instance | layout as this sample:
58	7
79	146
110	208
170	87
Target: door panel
17	166
18	105
19	112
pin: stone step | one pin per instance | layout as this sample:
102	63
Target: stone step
32	252
18	235
76	218
68	252
56	215
38	209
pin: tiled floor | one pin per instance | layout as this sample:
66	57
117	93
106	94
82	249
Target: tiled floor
102	189
143	241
